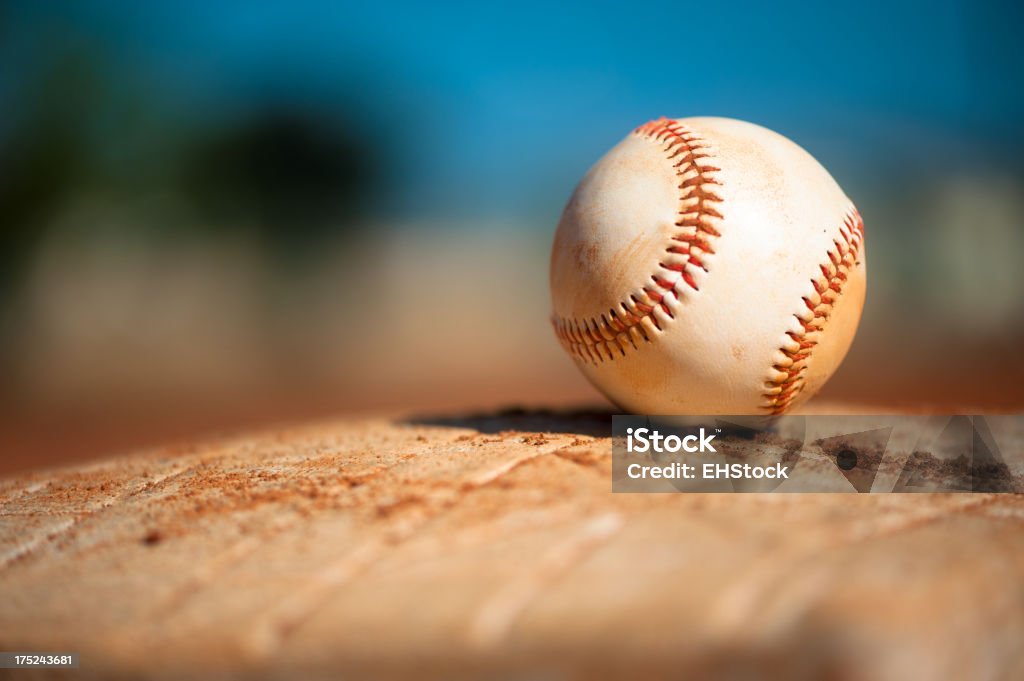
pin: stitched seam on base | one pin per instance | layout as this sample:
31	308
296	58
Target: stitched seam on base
640	316
789	378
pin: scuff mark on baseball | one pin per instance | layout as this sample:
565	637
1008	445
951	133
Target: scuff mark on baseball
707	266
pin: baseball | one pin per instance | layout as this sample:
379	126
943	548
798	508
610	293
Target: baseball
707	266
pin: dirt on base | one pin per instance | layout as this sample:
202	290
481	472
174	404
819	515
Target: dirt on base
491	546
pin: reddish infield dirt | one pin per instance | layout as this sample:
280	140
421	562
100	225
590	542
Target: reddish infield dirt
490	545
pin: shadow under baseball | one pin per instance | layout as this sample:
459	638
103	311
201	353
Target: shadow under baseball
594	422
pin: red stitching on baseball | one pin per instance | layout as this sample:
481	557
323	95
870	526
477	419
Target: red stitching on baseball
783	390
634	319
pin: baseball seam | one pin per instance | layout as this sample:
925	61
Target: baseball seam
640	316
788	374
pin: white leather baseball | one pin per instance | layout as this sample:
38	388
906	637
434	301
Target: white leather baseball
707	266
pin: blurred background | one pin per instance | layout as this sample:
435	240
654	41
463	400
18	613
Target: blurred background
216	215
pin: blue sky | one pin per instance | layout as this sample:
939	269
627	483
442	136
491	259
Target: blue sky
497	108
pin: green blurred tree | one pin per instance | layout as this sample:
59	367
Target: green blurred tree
290	174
